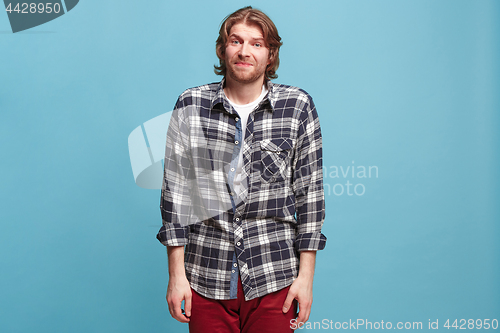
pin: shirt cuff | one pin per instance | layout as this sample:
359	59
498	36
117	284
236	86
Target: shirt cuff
172	234
313	241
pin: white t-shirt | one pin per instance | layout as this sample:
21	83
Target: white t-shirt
243	112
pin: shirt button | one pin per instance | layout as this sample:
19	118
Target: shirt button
236	118
232	169
236	142
235	264
237	219
233	271
238	243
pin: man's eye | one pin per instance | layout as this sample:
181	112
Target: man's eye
235	42
258	44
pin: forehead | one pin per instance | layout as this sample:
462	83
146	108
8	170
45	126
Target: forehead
246	30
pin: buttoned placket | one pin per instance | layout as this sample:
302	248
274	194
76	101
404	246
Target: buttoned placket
233	289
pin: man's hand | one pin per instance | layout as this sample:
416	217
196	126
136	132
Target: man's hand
179	290
302	288
178	285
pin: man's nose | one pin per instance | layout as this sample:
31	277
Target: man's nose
244	50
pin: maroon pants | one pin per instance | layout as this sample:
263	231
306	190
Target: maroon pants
261	315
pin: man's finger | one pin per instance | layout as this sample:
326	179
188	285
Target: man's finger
187	305
178	315
288	302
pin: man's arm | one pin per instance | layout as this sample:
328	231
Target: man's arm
175	209
310	209
178	286
302	288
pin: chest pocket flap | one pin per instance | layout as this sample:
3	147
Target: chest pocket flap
276	145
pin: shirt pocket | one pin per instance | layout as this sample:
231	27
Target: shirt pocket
275	159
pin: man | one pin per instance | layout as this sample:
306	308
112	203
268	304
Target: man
243	191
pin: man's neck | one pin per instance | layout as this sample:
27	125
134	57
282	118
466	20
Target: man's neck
242	93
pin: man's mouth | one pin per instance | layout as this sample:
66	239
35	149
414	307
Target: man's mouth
243	64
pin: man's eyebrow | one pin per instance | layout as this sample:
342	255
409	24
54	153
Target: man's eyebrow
233	35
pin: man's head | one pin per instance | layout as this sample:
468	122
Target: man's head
247	23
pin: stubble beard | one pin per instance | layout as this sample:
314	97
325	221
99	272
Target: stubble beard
244	76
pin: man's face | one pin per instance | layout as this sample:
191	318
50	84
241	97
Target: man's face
246	54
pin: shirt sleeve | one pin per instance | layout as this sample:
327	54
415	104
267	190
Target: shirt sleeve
175	201
308	182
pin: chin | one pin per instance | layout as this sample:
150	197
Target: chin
247	78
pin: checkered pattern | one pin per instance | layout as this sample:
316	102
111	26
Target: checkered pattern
281	209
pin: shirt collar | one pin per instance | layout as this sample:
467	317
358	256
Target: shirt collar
220	97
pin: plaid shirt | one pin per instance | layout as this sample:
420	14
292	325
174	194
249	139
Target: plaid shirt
259	233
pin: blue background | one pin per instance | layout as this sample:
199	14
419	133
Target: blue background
411	87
